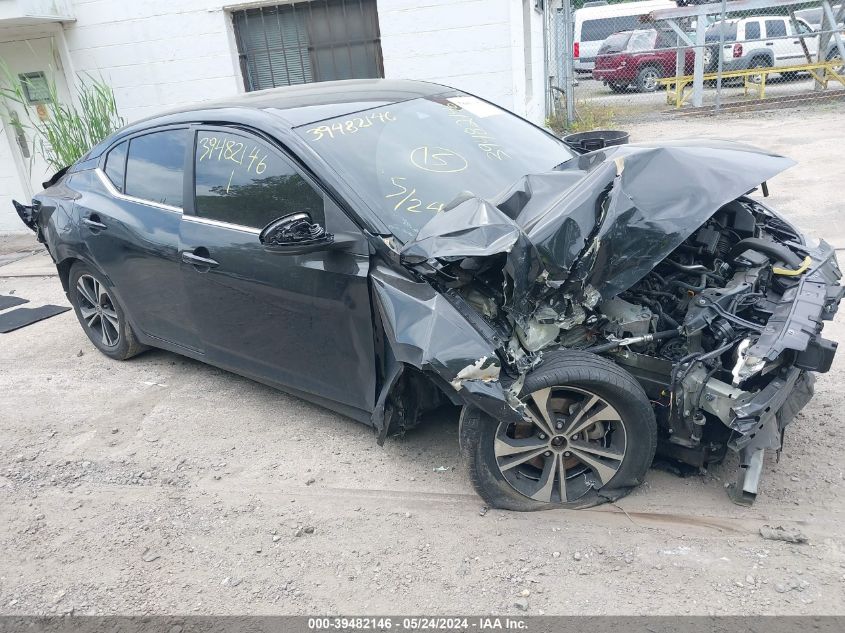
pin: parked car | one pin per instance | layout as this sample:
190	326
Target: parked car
639	58
383	248
762	42
594	24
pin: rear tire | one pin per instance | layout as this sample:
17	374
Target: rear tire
515	467
757	62
100	314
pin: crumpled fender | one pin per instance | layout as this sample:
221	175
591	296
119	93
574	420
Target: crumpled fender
603	220
424	330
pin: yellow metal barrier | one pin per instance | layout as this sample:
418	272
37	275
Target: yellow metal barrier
755	78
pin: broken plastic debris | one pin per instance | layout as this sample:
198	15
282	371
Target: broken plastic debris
477	371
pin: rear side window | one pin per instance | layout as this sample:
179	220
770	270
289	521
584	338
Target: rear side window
241	180
598	30
116	165
775	28
155	165
752	30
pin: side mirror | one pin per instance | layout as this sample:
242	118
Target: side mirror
295	234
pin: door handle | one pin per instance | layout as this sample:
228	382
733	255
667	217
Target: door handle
93	223
198	261
770	43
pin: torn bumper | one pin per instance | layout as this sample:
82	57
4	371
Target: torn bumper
425	330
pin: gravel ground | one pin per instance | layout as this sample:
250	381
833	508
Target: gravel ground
161	485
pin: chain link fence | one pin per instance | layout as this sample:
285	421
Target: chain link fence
620	59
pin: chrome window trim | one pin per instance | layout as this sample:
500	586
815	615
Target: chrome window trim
220	223
109	185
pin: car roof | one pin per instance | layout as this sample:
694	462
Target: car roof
306	103
289	106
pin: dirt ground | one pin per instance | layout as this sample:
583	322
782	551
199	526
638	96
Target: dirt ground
161	485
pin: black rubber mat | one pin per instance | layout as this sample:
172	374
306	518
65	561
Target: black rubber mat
27	316
11	301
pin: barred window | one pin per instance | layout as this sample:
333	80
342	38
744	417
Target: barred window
303	42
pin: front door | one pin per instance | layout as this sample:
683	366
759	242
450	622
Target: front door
296	321
33	61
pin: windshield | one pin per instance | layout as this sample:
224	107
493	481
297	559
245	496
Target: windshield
408	160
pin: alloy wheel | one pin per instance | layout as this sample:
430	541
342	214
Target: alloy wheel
650	77
97	310
576	441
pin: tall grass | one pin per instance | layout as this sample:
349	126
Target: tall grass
69	130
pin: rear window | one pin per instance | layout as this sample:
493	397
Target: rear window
116	165
712	34
598	30
155	165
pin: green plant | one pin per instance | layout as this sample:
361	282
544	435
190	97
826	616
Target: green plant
588	116
69	130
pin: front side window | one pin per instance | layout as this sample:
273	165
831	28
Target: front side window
116	165
803	27
409	160
154	167
241	180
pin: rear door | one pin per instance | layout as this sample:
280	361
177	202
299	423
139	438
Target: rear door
130	212
298	321
787	51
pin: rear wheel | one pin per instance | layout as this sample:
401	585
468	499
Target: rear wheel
100	314
648	79
590	438
757	62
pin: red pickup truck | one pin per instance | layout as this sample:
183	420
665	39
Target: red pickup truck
639	58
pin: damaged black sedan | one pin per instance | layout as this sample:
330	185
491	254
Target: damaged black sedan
383	248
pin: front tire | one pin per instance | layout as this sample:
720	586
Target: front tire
648	79
100	314
591	438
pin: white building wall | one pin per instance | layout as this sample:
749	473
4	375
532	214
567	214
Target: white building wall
156	54
462	43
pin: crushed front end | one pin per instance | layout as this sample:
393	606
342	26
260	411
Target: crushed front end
657	258
747	295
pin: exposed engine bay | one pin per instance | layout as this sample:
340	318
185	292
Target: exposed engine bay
721	332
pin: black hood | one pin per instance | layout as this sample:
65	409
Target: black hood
597	224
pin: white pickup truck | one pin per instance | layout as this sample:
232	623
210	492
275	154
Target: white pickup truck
763	42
